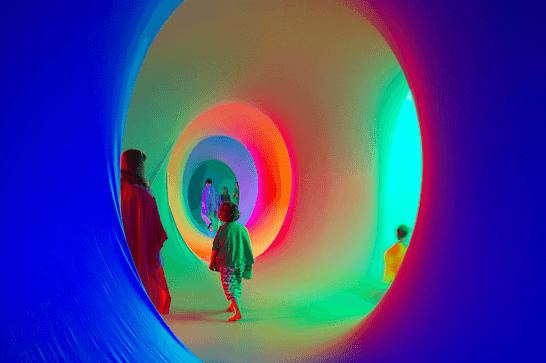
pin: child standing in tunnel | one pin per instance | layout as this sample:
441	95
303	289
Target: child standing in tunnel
232	256
395	254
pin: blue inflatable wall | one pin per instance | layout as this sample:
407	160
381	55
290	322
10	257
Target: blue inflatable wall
70	291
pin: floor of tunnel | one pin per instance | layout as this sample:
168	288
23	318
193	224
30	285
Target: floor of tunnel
292	332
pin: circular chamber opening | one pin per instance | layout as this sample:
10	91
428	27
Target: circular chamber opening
232	142
225	161
327	204
221	176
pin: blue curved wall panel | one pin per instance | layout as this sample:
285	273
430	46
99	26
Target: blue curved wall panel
471	287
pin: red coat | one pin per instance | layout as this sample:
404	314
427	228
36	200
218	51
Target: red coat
145	236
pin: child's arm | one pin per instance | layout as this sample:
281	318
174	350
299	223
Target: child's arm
213	266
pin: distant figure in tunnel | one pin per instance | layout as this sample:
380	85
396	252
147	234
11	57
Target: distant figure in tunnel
143	228
395	254
236	193
232	256
225	195
209	206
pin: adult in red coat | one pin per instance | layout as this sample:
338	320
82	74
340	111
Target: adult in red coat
143	229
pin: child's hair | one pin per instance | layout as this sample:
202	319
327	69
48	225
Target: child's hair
208	181
228	212
402	231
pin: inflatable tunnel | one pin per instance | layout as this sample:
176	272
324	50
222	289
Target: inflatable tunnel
320	110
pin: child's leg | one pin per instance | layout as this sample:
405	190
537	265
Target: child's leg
237	288
237	305
232	285
230	307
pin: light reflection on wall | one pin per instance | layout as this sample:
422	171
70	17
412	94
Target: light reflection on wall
405	169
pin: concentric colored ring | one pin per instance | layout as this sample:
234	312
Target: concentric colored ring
262	139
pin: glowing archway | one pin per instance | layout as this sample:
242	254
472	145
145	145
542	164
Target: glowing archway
332	106
230	154
266	145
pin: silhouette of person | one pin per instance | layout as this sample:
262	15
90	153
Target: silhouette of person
143	228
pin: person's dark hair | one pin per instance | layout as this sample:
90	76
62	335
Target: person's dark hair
208	181
402	231
132	162
229	212
225	190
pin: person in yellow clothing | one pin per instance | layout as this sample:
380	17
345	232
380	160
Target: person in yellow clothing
395	254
